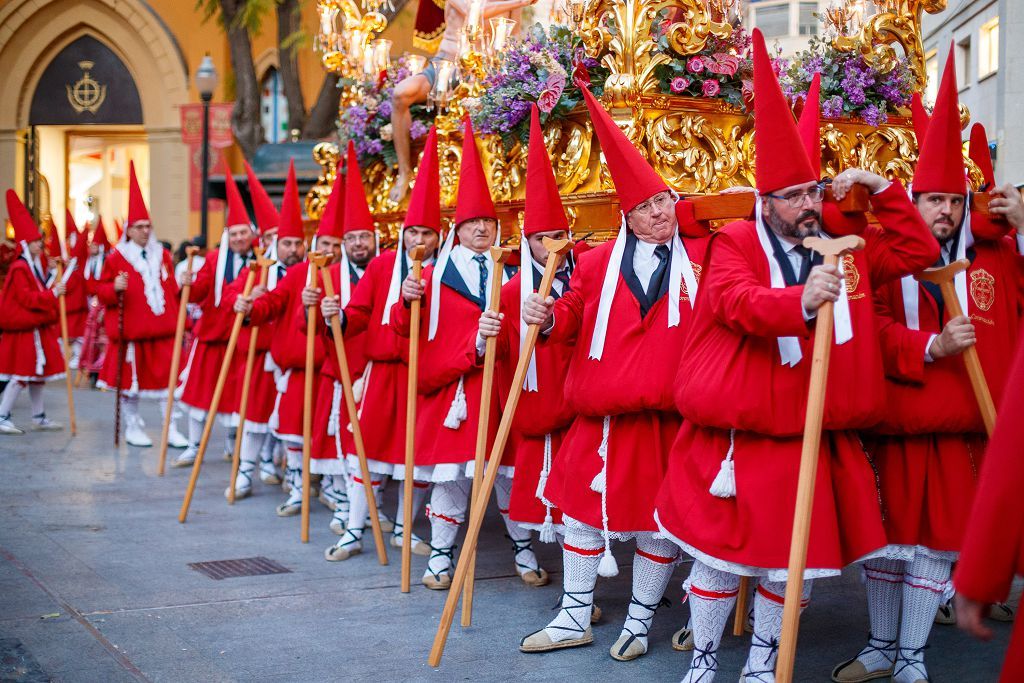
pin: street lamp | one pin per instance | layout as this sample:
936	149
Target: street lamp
206	83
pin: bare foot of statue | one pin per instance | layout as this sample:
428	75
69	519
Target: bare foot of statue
400	188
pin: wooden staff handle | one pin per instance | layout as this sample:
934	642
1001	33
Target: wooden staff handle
944	278
357	431
416	256
556	248
498	256
739	205
172	380
243	402
65	338
832	250
218	390
307	405
739	620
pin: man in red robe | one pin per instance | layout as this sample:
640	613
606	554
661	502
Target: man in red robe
202	368
140	273
450	379
629	306
385	379
927	448
728	497
29	344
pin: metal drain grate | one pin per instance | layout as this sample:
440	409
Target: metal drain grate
247	566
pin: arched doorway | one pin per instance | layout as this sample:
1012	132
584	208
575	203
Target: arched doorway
70	123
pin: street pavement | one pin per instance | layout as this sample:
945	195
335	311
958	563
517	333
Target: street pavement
95	585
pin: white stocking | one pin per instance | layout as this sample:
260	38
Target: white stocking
195	431
229	440
764	646
925	582
130	408
419	494
522	547
446	512
252	444
712	595
35	394
883	580
581	553
358	505
653	564
293	471
10	395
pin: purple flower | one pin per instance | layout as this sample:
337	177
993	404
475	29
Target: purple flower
872	115
418	129
384	109
710	88
832	107
679	84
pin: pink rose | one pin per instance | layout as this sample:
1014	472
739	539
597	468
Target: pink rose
710	88
679	84
548	100
695	65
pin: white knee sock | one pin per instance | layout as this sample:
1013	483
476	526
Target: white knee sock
195	431
419	494
293	455
522	546
130	410
10	395
581	553
925	582
446	512
76	352
229	440
269	446
712	595
358	505
35	394
764	646
883	580
653	564
252	444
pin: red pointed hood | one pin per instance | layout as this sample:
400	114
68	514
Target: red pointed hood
543	212
940	163
780	159
981	155
25	229
425	200
635	181
137	210
809	124
237	215
334	211
919	117
267	217
357	211
474	196
290	222
99	235
52	242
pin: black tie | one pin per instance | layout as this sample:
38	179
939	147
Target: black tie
654	288
144	255
563	277
482	261
805	263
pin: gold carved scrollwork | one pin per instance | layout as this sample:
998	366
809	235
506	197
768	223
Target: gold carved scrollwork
507	169
694	24
571	160
325	154
693	153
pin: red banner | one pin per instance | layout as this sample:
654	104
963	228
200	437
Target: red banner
220	138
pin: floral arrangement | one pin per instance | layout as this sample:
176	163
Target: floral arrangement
367	122
536	68
722	70
849	85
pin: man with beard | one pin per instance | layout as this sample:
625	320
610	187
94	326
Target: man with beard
289	248
628	311
927	448
199	377
729	496
385	379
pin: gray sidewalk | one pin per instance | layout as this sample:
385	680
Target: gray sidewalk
95	586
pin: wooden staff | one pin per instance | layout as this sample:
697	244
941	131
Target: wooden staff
353	416
172	381
498	256
416	256
831	249
307	404
556	248
733	205
62	306
250	360
122	350
218	389
739	619
944	278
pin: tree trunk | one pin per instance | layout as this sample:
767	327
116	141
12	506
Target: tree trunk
323	117
288	25
245	120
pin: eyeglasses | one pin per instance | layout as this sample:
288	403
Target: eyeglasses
796	199
358	237
660	200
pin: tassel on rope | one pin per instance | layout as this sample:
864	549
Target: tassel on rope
608	567
457	413
724	485
547	530
599	481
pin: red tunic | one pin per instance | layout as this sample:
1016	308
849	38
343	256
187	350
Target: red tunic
76	301
288	348
150	337
451	355
731	377
993	548
632	384
931	438
30	339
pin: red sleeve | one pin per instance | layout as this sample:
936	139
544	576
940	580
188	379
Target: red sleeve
202	283
400	318
742	304
903	244
568	310
273	304
903	349
360	305
992	543
104	287
30	296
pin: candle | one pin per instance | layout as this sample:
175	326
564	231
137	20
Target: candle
501	29
416	63
382	53
445	69
474	15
